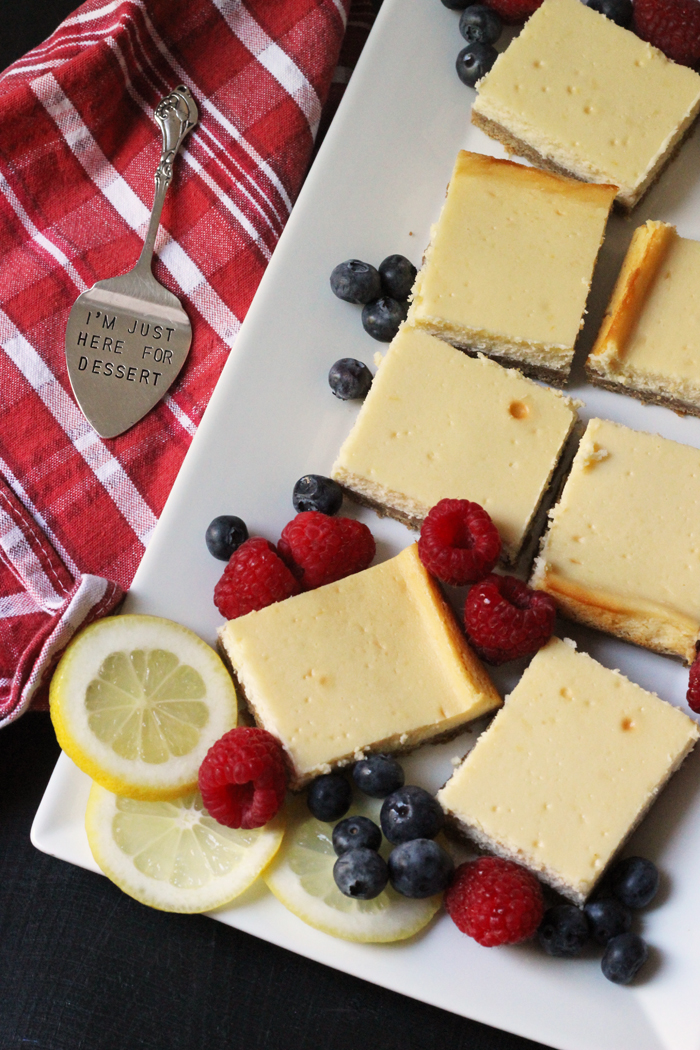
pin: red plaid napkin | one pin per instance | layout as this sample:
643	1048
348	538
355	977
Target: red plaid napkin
78	149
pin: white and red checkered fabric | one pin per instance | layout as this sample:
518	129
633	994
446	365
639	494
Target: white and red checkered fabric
78	148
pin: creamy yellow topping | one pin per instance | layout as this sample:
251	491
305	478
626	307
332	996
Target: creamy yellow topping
371	660
438	424
626	533
568	766
589	95
511	258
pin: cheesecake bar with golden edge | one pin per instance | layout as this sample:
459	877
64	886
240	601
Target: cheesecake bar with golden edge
623	548
577	94
567	768
510	262
438	424
374	662
649	343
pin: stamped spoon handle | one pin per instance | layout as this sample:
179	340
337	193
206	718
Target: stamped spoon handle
176	115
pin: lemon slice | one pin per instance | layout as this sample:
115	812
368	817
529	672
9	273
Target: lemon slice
301	877
137	701
173	855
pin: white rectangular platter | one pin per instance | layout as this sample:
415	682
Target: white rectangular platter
375	188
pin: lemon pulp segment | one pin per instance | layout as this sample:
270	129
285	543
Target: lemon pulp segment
147	704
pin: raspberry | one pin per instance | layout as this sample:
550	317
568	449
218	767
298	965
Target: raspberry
671	25
255	577
513	12
495	901
458	542
693	695
505	619
243	778
321	550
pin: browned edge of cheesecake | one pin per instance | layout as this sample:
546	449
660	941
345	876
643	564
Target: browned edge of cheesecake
247	715
522	149
610	621
648	397
522	563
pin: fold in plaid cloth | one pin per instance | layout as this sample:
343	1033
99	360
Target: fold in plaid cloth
78	149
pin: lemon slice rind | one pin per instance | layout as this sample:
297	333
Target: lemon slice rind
172	855
301	878
206	718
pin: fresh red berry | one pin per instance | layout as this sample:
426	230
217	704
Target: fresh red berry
243	778
513	12
671	25
255	577
320	549
495	901
693	695
505	618
458	542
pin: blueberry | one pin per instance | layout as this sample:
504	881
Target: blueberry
624	957
563	931
411	813
480	25
397	274
314	492
634	881
356	832
356	282
420	868
382	317
607	918
455	5
618	11
225	535
361	873
474	61
329	796
349	379
378	775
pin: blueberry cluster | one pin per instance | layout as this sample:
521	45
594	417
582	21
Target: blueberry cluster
566	929
410	819
383	293
481	27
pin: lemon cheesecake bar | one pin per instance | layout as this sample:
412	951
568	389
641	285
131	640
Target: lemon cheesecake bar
439	424
567	769
373	662
623	548
649	342
577	94
510	262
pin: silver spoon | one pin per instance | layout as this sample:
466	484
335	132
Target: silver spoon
128	337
